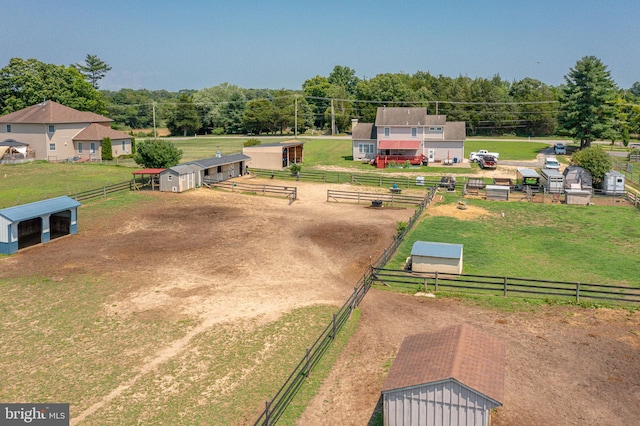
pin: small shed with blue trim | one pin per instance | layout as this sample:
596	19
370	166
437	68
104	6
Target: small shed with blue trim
34	223
436	257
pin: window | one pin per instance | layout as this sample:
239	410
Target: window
169	178
365	148
387	132
52	147
124	146
51	129
8	128
219	169
435	129
79	147
414	132
92	149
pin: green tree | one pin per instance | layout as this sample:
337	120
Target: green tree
586	110
27	82
259	116
316	91
185	118
593	159
107	153
93	69
537	105
160	153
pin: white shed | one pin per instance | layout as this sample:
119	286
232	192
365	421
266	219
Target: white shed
451	376
436	257
613	183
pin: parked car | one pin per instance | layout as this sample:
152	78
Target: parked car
488	162
475	157
551	163
559	148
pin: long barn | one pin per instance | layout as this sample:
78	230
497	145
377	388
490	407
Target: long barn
35	223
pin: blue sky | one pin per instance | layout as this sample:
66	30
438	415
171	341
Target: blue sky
176	45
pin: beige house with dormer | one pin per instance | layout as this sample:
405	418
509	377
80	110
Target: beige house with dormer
58	133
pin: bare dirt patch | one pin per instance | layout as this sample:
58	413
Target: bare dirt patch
215	257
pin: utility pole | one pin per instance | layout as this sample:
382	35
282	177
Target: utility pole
155	133
295	130
333	120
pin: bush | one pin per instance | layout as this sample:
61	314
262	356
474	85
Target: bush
160	154
295	168
218	131
252	142
107	154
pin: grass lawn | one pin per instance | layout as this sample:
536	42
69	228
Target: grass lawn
508	150
595	244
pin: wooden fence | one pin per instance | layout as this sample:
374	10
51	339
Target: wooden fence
103	191
505	286
364	179
275	407
291	192
390	199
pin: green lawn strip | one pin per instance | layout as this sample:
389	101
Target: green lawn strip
508	150
226	373
60	344
592	244
41	180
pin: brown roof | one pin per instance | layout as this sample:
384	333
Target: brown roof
401	116
461	352
364	131
97	132
455	131
50	112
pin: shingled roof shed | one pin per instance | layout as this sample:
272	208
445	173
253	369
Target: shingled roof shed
451	376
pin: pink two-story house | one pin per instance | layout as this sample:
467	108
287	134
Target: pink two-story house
408	134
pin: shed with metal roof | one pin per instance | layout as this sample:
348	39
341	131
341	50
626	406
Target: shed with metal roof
34	223
221	167
275	156
451	376
436	257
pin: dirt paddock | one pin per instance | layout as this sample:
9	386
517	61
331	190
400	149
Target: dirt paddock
221	257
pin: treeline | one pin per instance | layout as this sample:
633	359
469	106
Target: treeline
489	106
492	106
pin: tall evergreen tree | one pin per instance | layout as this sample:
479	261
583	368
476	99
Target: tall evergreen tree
587	111
93	69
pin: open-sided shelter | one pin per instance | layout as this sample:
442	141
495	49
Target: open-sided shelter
436	257
274	156
451	376
12	152
34	223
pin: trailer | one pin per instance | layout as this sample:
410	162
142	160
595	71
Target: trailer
552	180
528	178
613	183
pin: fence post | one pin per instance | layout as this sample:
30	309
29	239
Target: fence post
306	366
577	292
104	192
425	284
266	412
504	291
333	336
436	285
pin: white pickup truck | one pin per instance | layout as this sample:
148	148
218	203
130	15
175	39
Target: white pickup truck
475	157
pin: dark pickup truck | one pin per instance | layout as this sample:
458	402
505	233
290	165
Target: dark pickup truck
488	162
